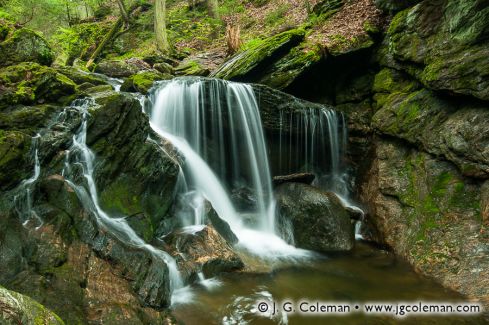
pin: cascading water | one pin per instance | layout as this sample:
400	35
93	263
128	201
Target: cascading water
79	155
23	200
315	140
216	126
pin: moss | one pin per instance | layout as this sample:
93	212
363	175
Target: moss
25	45
398	22
191	68
284	71
247	61
143	81
14	147
28	83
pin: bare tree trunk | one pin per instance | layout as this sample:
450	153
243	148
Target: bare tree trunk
117	25
213	9
123	10
160	26
233	39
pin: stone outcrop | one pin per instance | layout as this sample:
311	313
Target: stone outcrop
22	45
319	220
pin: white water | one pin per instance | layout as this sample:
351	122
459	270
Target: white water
80	155
216	126
23	200
315	140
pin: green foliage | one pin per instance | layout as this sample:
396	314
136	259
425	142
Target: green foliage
79	41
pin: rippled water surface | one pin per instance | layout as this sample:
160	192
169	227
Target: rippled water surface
366	275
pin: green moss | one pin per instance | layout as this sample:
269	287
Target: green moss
143	81
191	68
284	71
398	22
246	61
27	83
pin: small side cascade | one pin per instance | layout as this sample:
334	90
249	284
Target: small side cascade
80	156
23	201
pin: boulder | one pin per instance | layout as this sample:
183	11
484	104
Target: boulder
319	220
25	45
202	249
191	68
19	309
14	158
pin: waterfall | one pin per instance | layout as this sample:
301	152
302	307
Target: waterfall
314	140
216	126
23	200
80	155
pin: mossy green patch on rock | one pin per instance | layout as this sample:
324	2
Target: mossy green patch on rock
25	45
246	63
20	309
283	72
143	81
29	83
191	68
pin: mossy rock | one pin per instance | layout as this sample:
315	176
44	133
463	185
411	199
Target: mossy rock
30	83
25	45
27	119
79	76
248	64
283	72
191	68
14	160
20	309
456	130
444	45
143	81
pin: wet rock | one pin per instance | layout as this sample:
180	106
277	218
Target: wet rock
430	214
222	227
19	309
306	178
25	45
455	129
202	249
319	220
